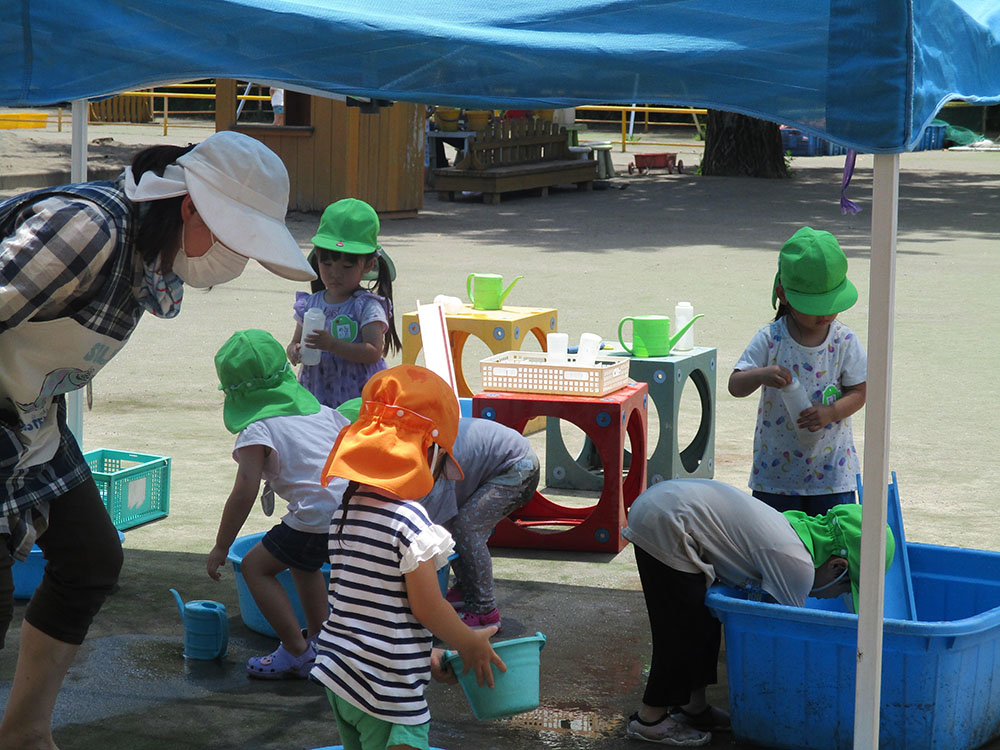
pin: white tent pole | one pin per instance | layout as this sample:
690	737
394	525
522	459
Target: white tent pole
881	298
78	173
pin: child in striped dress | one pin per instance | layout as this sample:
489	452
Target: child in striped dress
374	651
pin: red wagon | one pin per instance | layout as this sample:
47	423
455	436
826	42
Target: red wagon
644	162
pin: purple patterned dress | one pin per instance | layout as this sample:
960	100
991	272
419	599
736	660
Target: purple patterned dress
334	380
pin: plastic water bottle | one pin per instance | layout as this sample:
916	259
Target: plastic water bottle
796	401
684	314
313	320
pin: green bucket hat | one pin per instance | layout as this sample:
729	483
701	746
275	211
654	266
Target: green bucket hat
351	408
812	269
258	381
837	534
352	226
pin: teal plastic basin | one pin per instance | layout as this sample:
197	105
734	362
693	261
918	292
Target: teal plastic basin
514	691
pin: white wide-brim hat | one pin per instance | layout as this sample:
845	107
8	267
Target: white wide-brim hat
240	188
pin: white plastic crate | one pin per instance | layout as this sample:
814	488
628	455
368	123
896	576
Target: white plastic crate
531	372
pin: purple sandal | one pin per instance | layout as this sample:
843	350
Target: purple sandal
281	665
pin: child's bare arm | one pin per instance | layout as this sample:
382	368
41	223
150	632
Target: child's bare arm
821	415
366	352
293	350
435	614
238	505
744	382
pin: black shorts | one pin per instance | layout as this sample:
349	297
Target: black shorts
301	550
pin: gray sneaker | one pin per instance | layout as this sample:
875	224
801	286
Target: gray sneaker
666	731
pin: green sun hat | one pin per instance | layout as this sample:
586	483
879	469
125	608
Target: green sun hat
352	226
812	269
258	381
837	534
351	408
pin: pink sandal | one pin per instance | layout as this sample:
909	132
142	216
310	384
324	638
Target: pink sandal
281	665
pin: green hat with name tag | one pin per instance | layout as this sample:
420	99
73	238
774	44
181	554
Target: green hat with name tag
352	226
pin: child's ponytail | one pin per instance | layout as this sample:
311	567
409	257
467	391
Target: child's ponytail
316	285
383	288
352	487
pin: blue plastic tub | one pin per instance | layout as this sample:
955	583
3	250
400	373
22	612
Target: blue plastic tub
932	139
791	671
514	691
28	574
250	612
797	143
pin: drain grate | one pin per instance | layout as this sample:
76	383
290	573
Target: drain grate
582	723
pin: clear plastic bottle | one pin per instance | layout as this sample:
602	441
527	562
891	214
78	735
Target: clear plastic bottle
796	401
313	320
684	314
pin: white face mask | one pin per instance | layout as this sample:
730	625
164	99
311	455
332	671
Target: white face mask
217	266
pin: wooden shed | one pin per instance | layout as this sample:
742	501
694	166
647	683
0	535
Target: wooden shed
334	151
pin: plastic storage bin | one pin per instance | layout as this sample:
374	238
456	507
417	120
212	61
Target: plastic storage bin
833	149
135	487
28	573
933	138
792	671
798	143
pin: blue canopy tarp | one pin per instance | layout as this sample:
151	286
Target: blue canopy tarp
869	74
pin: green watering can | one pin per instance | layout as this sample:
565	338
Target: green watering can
489	291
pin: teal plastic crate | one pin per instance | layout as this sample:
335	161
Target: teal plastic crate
135	487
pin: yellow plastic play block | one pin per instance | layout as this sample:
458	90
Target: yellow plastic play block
501	330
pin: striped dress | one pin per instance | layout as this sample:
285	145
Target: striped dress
373	652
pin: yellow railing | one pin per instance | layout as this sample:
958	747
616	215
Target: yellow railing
173	91
691	112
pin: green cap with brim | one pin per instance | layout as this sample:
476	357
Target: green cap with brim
258	381
837	534
352	226
812	269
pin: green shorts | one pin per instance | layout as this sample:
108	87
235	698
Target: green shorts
362	731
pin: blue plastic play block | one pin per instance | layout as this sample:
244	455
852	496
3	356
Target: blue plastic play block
792	671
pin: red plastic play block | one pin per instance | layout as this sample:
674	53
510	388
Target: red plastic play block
607	421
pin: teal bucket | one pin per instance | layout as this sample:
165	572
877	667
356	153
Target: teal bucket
514	691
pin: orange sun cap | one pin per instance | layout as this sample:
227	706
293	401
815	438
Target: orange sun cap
405	410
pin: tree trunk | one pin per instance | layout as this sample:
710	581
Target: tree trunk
741	146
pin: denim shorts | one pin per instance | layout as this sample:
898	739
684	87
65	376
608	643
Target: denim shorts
301	550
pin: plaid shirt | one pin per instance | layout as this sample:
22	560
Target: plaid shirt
65	252
54	258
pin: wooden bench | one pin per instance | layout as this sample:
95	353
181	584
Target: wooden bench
514	155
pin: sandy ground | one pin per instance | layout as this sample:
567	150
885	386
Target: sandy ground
596	257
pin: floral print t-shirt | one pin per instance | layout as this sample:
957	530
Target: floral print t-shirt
782	463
